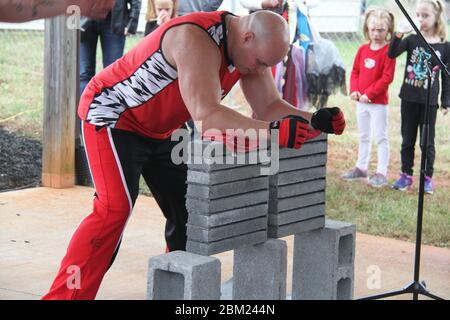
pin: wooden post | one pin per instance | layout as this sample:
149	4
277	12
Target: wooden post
60	98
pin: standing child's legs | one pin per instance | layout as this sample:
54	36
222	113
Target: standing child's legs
431	134
410	117
428	187
363	116
410	114
379	117
363	120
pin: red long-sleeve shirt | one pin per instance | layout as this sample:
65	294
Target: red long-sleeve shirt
372	73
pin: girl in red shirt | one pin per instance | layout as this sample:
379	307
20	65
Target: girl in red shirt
371	75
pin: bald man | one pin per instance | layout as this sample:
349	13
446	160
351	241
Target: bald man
130	109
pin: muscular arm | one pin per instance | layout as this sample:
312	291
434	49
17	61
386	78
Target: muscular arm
197	60
26	10
264	99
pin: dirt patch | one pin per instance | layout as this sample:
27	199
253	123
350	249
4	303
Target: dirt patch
20	161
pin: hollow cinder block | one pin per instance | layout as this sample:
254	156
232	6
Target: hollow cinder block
259	271
210	248
180	275
323	266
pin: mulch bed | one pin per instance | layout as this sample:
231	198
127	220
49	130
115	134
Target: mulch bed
20	161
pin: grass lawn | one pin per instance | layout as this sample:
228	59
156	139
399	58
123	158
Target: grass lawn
375	211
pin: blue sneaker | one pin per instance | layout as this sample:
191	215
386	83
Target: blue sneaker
403	183
428	187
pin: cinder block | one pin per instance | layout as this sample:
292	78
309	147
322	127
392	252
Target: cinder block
195	233
295	189
227	244
223	176
296	227
305	200
323	266
297	176
180	275
296	215
227	217
226	189
200	206
259	271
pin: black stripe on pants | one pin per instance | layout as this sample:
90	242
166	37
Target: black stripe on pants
166	180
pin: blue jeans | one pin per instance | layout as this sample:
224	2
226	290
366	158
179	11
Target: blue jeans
112	48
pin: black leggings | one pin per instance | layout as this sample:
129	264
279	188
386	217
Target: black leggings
413	118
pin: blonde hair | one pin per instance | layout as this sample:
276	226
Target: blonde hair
380	14
441	19
151	10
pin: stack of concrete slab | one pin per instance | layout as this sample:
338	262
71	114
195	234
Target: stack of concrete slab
227	199
297	192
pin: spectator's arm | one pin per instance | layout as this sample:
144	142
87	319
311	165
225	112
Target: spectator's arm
398	45
386	79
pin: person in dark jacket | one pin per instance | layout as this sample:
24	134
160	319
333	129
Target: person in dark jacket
121	21
188	6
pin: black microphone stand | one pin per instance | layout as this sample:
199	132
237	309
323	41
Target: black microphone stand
418	287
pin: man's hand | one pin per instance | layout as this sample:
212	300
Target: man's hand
355	95
269	4
404	27
329	120
293	131
444	110
364	99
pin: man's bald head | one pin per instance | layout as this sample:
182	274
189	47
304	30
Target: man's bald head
258	41
268	27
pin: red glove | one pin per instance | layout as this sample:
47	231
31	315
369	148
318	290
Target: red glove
329	120
293	131
312	133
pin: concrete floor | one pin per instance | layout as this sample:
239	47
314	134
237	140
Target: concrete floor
36	225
